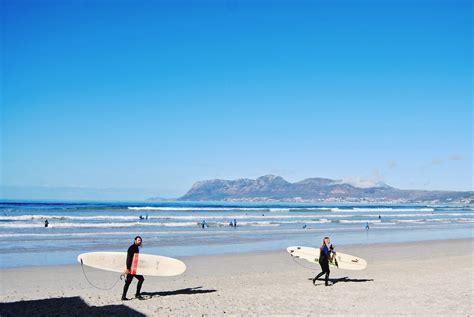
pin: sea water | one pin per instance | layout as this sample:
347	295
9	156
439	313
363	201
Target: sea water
175	228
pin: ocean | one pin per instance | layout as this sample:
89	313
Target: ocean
174	228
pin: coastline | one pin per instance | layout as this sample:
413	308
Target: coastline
425	277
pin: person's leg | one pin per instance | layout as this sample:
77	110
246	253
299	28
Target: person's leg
316	277
140	279
128	280
326	280
320	274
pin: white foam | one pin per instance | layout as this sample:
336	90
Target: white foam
65	217
388	209
155	217
358	221
129	224
197	208
279	209
409	221
74	225
421	215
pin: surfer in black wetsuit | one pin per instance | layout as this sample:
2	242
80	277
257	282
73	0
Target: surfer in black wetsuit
130	253
324	258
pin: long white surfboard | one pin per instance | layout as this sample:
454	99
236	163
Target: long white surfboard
341	260
142	264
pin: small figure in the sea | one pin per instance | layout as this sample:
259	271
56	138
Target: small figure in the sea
231	223
46	223
131	272
325	255
304	227
146	216
141	217
367	226
380	217
235	223
204	224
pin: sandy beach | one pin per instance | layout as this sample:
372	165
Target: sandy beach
422	278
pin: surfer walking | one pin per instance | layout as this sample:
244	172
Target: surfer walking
324	258
132	250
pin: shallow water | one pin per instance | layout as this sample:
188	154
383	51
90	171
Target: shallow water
174	228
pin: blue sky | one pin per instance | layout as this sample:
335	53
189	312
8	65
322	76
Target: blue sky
155	95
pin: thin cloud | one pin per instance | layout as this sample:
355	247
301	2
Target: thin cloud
365	182
456	157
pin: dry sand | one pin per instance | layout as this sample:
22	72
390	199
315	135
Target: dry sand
422	278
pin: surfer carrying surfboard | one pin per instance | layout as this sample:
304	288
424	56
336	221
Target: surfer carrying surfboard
324	257
132	260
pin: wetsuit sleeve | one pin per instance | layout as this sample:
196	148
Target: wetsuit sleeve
130	253
326	251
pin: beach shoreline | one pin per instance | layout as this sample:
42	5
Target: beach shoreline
426	278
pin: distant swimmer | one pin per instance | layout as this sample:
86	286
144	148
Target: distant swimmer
304	227
380	217
367	226
129	272
204	224
235	223
46	223
141	217
146	217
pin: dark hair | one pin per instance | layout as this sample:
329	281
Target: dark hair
322	246
137	238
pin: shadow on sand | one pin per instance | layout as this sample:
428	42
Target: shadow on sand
66	306
184	291
345	280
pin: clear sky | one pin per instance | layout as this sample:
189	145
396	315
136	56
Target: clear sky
155	95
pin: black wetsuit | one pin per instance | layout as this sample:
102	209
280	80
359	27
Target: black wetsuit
324	257
131	251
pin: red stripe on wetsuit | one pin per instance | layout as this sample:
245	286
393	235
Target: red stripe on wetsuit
133	269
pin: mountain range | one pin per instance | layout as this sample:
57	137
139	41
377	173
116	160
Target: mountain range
275	188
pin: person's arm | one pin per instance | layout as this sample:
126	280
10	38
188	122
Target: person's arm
333	256
130	254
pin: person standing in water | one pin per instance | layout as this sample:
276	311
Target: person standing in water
324	258
130	254
46	223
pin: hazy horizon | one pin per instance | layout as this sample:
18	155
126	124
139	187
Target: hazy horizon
108	194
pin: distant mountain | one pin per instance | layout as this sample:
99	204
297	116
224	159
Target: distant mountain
157	198
275	188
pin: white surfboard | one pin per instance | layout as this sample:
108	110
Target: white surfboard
341	260
143	264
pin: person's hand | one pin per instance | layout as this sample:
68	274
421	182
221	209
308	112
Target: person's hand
127	271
